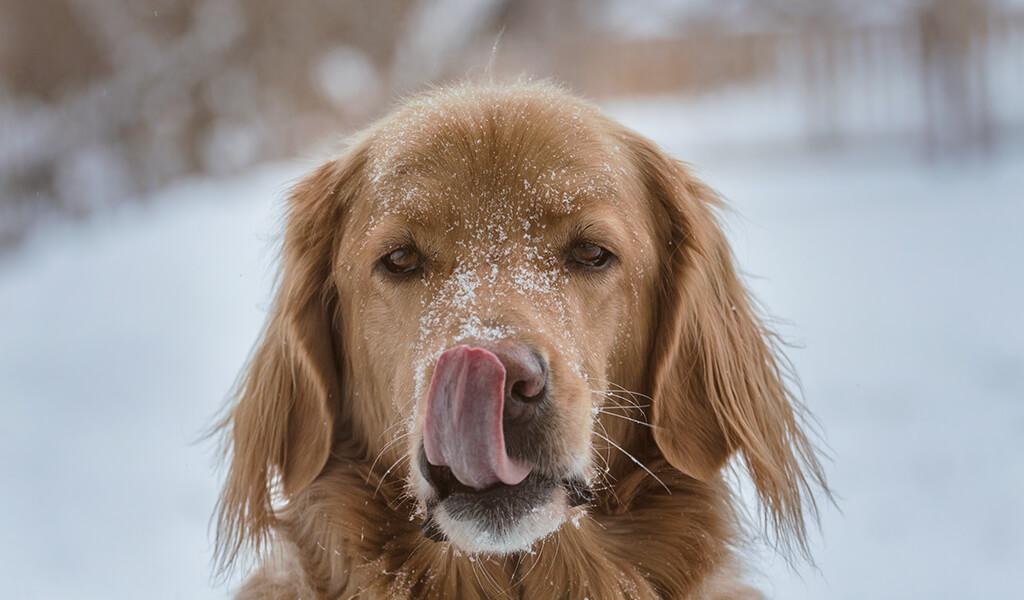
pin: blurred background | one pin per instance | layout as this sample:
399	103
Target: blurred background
872	154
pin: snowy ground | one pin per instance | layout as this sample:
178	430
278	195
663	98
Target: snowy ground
900	280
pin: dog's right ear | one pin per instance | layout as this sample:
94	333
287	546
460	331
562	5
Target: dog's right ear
280	430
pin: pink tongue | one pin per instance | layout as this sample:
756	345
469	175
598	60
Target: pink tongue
463	429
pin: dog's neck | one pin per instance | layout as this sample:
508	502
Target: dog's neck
353	533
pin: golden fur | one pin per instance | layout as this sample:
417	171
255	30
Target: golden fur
320	487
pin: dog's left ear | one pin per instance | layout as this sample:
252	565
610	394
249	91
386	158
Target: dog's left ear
717	378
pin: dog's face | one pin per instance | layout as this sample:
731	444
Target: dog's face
493	272
466	295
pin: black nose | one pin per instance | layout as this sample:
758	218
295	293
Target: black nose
526	379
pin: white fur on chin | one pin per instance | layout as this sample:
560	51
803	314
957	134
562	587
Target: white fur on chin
539	523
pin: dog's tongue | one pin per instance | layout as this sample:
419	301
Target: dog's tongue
462	428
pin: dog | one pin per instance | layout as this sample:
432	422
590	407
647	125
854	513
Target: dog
509	356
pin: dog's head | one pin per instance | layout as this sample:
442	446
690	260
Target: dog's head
493	283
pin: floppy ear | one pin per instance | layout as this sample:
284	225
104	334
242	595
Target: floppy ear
281	428
717	376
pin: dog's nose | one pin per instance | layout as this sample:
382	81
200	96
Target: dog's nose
526	377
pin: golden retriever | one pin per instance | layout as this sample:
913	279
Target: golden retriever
509	357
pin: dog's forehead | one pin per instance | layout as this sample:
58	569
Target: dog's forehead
482	158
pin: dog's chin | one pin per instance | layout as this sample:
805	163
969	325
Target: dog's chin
501	521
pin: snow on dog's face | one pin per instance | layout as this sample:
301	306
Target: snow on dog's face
492	270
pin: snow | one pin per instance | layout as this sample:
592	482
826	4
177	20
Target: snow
119	341
898	279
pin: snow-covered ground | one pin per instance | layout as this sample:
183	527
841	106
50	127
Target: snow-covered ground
901	282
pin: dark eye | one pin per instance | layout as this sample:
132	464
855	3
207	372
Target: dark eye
589	256
402	261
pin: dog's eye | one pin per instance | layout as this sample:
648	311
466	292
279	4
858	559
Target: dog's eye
402	261
590	256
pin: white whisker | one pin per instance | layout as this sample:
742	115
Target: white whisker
373	465
385	475
634	459
624	418
630	392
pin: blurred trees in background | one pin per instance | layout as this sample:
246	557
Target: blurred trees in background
103	100
106	99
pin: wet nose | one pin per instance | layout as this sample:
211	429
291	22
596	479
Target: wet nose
526	377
